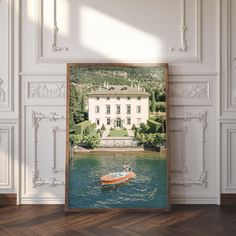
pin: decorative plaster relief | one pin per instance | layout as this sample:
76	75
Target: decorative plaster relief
46	90
202	179
183	47
2	93
36	180
55	29
183	42
198	90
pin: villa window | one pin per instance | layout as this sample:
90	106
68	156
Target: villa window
138	109
138	121
108	121
128	109
128	98
108	98
117	109
97	109
118	98
129	121
139	98
97	121
97	98
108	108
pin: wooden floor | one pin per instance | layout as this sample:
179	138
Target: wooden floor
183	220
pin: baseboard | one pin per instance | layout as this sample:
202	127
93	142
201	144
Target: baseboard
43	201
194	201
175	200
228	199
8	199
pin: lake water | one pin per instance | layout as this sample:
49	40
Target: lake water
148	190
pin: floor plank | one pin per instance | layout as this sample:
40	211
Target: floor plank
185	220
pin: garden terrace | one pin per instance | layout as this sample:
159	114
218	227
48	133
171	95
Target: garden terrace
118	133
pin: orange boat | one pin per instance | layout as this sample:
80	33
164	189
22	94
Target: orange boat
118	177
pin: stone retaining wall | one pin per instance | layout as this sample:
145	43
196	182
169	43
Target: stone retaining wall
118	142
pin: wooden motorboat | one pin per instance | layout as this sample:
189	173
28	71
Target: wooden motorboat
118	177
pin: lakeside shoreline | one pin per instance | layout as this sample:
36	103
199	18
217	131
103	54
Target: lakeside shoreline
121	153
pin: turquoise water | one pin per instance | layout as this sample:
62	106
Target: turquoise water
148	190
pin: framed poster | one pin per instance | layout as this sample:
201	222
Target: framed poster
117	137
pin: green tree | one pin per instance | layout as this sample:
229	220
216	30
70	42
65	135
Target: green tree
103	127
133	127
82	104
144	128
77	138
153	102
92	141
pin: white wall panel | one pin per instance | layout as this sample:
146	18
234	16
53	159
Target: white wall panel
9	146
120	31
92	31
228	50
6	60
43	163
228	158
193	160
98	26
8	157
228	97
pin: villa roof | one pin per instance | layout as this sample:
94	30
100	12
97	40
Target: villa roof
119	90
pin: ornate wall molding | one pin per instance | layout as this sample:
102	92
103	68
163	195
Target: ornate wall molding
230	182
199	90
7	154
202	179
183	42
228	58
2	93
55	30
183	47
7	94
39	90
184	168
36	180
228	156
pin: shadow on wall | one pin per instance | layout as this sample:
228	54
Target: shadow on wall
109	30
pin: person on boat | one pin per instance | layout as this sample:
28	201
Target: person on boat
126	168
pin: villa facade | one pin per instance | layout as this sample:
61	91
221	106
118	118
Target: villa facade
118	106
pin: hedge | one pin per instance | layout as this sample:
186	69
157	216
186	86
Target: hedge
91	129
93	126
154	126
144	128
160	106
80	128
90	141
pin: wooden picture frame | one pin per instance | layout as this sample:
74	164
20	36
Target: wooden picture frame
93	182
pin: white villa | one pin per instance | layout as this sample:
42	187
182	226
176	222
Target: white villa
118	106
